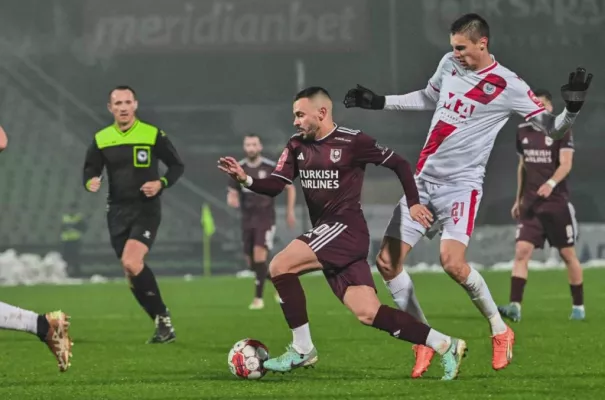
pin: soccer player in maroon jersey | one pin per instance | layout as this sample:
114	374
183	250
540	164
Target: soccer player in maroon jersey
543	210
258	214
330	161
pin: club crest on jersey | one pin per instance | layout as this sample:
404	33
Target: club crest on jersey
262	174
548	141
489	89
335	155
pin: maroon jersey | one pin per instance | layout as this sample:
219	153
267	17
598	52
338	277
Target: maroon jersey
255	208
541	158
331	172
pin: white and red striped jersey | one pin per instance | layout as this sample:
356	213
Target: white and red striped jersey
472	107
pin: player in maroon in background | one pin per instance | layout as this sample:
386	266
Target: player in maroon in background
330	161
543	210
258	214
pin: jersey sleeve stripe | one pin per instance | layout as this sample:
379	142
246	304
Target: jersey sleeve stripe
433	87
389	156
534	113
283	177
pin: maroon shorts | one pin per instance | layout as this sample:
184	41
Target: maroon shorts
555	223
261	235
343	254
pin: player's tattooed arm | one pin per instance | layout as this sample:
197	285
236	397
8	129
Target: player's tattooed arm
3	139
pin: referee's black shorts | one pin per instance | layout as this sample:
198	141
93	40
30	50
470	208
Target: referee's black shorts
138	220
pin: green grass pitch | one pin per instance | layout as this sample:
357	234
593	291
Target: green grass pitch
554	357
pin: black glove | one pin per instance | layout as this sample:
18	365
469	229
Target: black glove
364	98
574	92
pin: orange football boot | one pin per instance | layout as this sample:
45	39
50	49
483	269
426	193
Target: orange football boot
502	349
424	355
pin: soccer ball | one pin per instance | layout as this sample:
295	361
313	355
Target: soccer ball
246	359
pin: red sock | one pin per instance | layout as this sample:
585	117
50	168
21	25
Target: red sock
517	286
293	301
401	325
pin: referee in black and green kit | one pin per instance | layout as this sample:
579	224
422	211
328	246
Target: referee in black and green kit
130	150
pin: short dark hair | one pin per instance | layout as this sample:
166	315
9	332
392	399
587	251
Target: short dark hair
253	135
543	93
123	87
311	92
472	24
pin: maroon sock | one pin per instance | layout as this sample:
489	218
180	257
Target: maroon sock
401	325
517	286
577	294
293	302
260	270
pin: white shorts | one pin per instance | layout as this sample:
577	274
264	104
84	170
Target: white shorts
454	207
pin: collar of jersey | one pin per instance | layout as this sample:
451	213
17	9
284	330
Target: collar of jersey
132	128
331	132
489	67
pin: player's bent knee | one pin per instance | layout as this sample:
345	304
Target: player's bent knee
132	265
568	255
280	264
389	260
455	265
363	303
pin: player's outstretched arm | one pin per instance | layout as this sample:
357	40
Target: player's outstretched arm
420	100
3	139
271	186
170	157
93	167
574	93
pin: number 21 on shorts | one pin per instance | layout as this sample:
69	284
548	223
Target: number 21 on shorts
457	212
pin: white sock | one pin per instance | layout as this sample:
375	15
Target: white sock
402	290
438	341
301	339
479	292
17	319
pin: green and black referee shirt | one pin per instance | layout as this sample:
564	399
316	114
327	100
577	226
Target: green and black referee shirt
131	159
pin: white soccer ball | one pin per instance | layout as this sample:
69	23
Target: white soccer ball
246	359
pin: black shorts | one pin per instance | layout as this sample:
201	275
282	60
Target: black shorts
138	221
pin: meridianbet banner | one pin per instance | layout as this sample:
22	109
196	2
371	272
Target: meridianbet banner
143	26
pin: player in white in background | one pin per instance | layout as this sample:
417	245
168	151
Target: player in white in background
51	328
473	96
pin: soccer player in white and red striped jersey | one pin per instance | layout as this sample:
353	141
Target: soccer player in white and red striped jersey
473	96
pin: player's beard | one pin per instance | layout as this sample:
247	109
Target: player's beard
310	133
